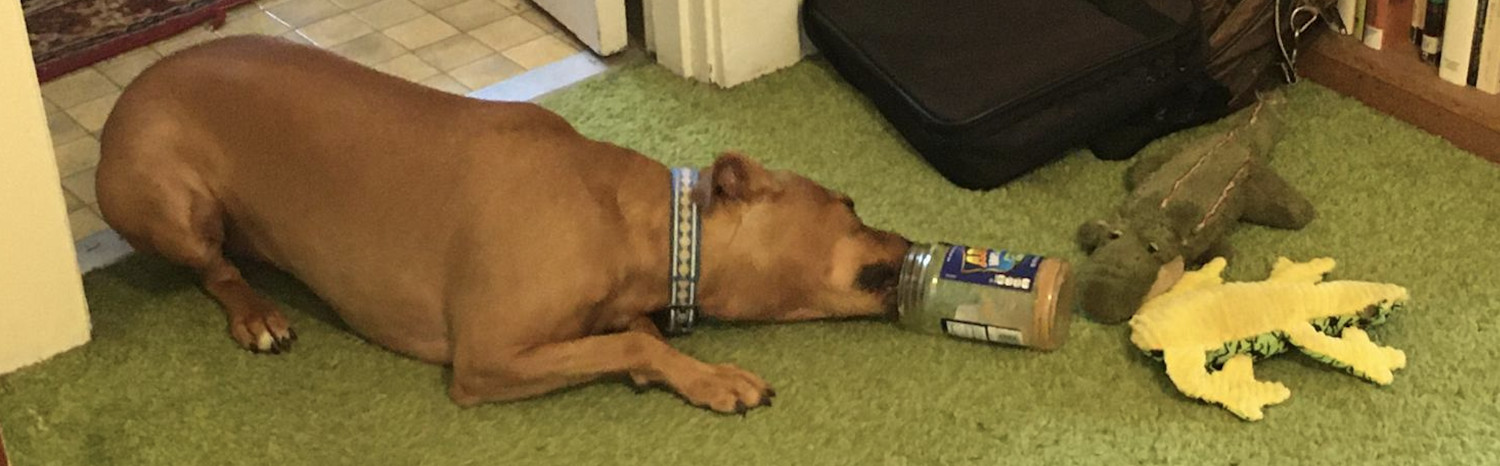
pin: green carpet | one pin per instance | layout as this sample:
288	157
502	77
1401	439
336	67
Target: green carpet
162	384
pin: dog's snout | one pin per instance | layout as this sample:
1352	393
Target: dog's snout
878	277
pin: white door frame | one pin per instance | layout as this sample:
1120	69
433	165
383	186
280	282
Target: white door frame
724	42
42	307
599	24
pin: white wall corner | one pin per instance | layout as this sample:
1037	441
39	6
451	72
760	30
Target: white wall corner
727	42
42	307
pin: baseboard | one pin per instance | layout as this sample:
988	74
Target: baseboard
101	249
546	79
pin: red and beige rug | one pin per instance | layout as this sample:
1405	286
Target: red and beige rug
71	34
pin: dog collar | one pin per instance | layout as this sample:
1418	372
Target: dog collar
682	309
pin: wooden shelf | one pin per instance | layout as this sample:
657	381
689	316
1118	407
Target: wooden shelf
1396	82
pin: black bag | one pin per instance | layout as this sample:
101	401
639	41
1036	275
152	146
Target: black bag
988	90
1251	47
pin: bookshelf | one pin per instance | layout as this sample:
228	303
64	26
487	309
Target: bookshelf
1396	82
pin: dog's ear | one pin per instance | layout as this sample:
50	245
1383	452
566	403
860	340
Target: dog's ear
735	178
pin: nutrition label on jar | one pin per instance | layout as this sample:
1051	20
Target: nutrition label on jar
981	332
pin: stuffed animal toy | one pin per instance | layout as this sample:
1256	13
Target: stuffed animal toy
1202	324
1182	205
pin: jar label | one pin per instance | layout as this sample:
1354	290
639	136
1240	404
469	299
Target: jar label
982	266
982	332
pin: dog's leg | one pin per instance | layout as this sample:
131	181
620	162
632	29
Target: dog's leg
646	326
254	322
529	372
186	226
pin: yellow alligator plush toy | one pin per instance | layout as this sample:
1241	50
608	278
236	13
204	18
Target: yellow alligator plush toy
1209	332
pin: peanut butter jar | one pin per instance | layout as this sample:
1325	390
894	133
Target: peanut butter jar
995	296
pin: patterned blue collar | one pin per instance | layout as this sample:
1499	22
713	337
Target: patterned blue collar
682	310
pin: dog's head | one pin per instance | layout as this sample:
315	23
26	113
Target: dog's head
780	247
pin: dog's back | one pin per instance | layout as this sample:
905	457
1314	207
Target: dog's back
325	168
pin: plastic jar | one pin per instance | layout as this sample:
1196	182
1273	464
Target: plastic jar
986	295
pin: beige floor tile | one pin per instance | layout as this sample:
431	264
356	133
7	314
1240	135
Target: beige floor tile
542	20
570	39
507	33
370	49
78	87
336	30
298	13
81	184
472	14
85	222
454	52
512	5
387	13
543	50
267	4
91	115
408	67
242	11
255	22
420	32
353	4
297	37
192	36
73	202
445	83
488	70
62	126
77	156
124	68
435	5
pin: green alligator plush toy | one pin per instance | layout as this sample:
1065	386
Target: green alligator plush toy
1182	205
1203	324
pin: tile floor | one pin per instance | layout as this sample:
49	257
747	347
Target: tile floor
458	46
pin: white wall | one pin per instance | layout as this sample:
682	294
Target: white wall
600	24
42	307
725	42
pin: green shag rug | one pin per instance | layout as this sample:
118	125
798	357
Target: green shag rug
162	383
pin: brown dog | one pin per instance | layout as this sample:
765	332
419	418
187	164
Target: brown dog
486	235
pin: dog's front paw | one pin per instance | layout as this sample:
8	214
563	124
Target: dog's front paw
262	331
722	387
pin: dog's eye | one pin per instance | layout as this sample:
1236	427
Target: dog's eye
1152	248
848	203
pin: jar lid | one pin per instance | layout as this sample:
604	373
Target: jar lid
1056	316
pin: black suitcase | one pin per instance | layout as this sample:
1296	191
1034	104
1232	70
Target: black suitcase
989	90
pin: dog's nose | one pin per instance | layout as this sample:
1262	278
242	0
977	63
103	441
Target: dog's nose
878	277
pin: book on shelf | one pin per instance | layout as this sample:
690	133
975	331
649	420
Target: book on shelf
1458	41
1433	20
1418	19
1384	22
1360	8
1345	9
1487	71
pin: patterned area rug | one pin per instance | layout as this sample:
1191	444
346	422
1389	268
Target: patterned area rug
71	34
